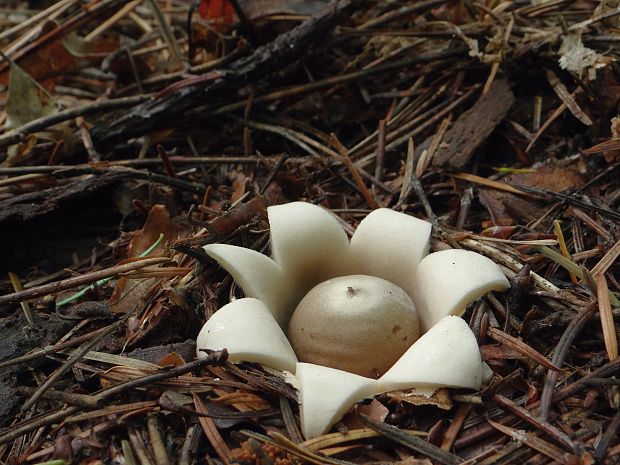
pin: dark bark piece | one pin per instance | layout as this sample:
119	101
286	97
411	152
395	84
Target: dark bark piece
88	309
154	354
508	209
55	223
28	206
169	108
473	127
240	215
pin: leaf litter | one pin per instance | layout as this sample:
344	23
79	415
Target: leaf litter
124	123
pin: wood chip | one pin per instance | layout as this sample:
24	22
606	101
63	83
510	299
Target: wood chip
473	127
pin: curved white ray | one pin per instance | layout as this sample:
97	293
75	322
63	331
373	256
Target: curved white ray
248	330
446	282
259	277
390	245
446	356
487	373
307	242
325	394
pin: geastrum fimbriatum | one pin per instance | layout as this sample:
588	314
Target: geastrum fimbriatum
352	319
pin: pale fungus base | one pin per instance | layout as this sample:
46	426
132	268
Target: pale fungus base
357	323
309	247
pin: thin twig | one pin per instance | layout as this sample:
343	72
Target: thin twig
520	347
413	442
559	355
344	154
18	134
608	436
166	33
70	283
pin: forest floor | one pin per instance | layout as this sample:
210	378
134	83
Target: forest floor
134	133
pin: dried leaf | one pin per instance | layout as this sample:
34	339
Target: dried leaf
498	232
50	61
158	222
217	10
18	154
132	293
375	410
239	186
177	398
63	449
507	209
88	50
173	359
26	99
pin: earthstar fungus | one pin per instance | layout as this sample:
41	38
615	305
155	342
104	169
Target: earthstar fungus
353	310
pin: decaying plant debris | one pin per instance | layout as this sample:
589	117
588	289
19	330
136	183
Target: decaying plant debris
131	140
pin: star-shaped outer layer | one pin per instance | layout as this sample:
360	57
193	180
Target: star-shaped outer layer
308	247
